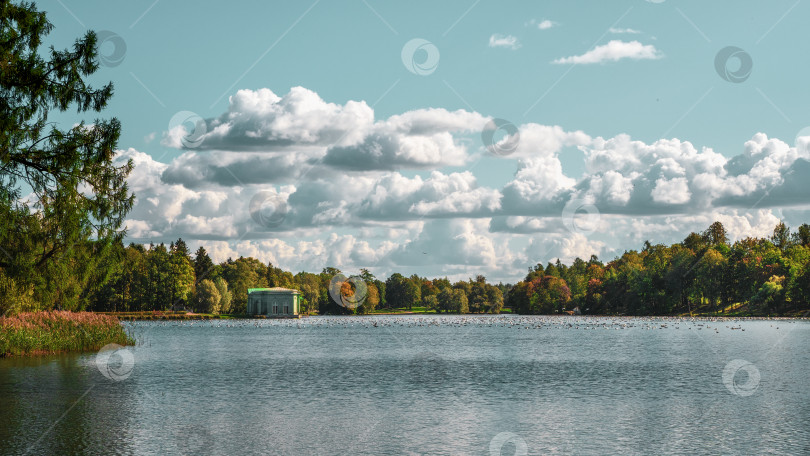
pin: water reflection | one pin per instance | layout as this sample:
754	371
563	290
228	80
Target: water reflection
63	405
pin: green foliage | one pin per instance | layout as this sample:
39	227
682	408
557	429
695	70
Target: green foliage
483	297
771	293
78	192
181	275
203	266
309	286
781	236
751	274
800	284
242	274
225	298
716	234
207	298
453	300
703	273
549	295
802	235
401	291
277	277
494	300
431	302
15	298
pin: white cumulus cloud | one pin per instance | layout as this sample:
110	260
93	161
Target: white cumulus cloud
394	195
613	51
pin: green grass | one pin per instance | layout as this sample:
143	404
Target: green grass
743	309
39	333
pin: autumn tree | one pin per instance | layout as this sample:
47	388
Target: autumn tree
372	299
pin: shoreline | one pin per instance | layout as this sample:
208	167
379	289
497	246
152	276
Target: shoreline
204	317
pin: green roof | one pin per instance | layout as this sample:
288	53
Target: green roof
275	289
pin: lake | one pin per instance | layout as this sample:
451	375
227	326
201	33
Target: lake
421	385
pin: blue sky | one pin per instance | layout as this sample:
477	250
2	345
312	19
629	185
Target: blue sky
616	72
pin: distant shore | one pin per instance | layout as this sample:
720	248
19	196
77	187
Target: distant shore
181	315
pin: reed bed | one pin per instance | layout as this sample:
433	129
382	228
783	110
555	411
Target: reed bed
40	333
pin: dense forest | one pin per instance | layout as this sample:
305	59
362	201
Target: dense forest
160	278
702	273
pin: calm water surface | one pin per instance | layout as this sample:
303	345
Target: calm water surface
421	385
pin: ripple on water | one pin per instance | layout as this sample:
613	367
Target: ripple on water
424	384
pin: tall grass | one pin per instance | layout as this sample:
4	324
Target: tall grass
38	333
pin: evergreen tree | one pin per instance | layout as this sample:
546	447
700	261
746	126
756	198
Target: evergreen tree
159	293
181	275
203	266
78	190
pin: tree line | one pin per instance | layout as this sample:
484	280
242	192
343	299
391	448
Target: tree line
703	273
157	277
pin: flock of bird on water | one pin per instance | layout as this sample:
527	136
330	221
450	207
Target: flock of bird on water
508	321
